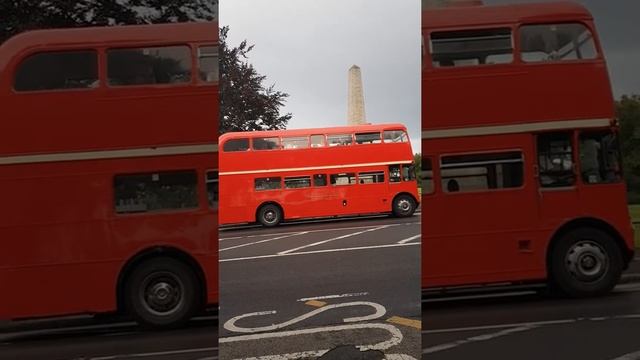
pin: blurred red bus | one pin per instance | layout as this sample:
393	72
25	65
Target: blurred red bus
272	176
108	172
521	163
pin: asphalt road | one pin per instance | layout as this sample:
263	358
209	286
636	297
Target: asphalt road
299	290
88	339
525	325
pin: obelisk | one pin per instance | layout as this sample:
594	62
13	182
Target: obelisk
355	110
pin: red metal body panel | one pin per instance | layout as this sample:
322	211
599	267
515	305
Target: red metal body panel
62	246
474	237
239	201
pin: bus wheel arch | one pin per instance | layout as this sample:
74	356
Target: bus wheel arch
171	258
269	214
585	257
403	204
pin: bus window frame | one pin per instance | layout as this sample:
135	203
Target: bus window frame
437	175
193	71
594	36
20	58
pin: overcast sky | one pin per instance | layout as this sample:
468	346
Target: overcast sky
306	48
617	22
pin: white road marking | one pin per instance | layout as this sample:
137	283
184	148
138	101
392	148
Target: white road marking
630	356
409	239
399	357
395	339
485	337
333	296
318	252
230	324
499	326
332	239
317	230
262	241
155	354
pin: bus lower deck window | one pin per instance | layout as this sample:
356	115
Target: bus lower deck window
155	192
481	172
272	183
343	179
555	159
319	180
600	158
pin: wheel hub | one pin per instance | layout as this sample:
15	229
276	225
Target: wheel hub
587	261
162	294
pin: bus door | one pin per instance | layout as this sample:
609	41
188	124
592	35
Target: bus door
322	196
556	179
478	225
372	192
343	186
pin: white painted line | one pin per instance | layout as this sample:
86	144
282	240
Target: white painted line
230	324
318	252
409	239
262	241
332	239
398	357
333	296
317	230
485	337
499	326
630	356
155	354
395	339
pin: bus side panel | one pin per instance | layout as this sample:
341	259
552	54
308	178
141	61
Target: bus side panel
55	237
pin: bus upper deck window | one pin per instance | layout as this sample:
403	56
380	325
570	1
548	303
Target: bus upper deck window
471	47
339	139
557	42
147	66
236	145
368	138
317	141
58	70
270	143
299	142
394	136
208	63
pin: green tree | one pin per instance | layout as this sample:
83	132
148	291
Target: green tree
628	114
245	103
417	166
22	15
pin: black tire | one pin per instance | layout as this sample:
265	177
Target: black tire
269	215
403	206
162	293
585	262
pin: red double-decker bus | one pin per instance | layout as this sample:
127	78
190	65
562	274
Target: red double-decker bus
273	176
108	172
521	167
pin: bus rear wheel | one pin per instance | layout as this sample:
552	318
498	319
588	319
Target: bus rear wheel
585	262
162	293
403	206
269	215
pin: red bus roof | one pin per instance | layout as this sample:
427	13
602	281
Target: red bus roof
126	35
302	132
449	17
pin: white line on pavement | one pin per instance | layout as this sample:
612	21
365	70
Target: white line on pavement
409	239
263	241
333	296
155	354
318	252
230	324
332	239
317	230
630	356
485	337
499	326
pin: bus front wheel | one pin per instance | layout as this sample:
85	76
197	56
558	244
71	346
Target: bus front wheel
403	206
269	215
162	293
585	262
